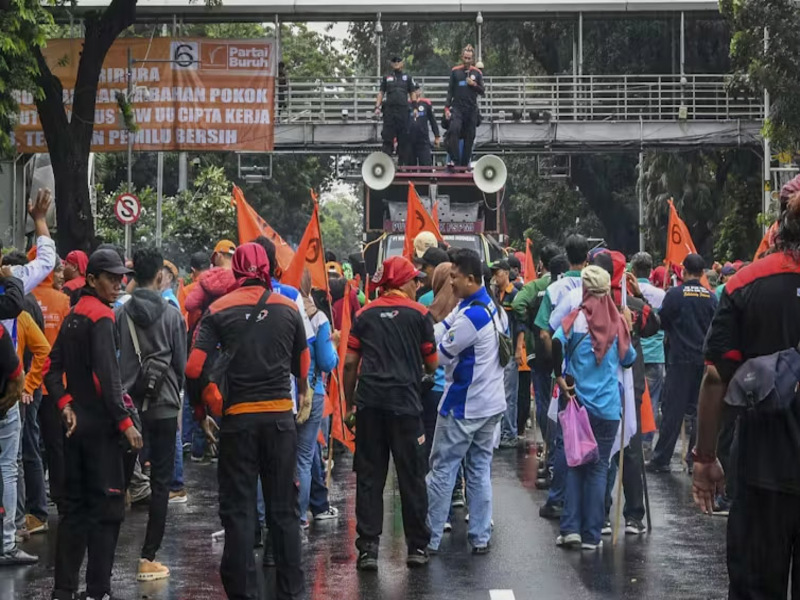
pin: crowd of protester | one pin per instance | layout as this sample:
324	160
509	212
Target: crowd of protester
113	369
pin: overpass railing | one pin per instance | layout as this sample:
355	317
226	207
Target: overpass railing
537	99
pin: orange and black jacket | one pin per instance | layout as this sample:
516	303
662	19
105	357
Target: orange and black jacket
86	352
257	376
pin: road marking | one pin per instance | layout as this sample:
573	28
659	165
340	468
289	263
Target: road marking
501	595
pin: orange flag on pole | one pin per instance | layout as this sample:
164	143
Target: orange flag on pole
648	420
767	242
417	221
530	266
309	256
251	225
435	214
679	240
337	407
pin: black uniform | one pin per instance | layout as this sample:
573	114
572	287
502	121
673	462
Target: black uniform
396	88
420	141
462	100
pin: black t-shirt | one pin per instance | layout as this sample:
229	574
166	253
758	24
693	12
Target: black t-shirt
396	88
394	336
759	314
459	93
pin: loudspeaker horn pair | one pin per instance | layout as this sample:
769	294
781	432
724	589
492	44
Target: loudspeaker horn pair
378	171
490	174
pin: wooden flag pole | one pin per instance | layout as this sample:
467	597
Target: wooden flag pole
329	467
618	508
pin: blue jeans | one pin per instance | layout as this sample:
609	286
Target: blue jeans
192	433
306	445
511	383
10	434
318	496
177	475
454	440
654	373
585	499
559	465
35	492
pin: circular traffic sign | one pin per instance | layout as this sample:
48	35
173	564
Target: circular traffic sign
127	209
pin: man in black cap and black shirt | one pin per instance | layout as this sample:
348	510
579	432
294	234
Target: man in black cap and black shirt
94	415
422	122
391	339
396	89
466	84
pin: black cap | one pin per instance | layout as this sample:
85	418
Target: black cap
694	264
108	261
433	257
501	265
395	58
513	262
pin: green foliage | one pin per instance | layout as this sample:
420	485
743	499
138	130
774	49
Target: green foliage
126	109
340	219
193	220
22	29
775	68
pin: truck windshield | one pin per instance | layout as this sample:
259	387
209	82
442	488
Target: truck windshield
394	244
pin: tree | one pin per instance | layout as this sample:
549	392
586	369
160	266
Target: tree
341	213
775	67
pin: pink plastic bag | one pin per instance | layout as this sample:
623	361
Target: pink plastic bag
579	443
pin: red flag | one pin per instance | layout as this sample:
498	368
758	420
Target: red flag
309	256
339	430
251	225
530	266
417	221
679	240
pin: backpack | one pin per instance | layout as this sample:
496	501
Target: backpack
766	384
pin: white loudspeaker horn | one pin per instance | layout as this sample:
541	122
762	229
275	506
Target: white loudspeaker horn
490	174
378	171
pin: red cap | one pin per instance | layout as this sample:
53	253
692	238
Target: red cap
395	272
78	259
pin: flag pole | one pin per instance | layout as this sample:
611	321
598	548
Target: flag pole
618	508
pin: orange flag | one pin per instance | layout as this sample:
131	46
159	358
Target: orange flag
679	241
435	214
530	266
309	256
767	242
648	420
417	221
251	225
337	408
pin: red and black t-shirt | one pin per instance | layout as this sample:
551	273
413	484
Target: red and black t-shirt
394	336
758	315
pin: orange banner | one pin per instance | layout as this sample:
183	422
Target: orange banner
251	225
530	265
336	404
309	255
188	94
417	221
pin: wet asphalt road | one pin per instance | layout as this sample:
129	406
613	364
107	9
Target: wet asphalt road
683	557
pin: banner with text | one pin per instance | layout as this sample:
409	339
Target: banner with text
188	94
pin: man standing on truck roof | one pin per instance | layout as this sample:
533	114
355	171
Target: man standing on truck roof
461	108
396	89
422	121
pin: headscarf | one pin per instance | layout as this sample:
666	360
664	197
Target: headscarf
605	322
305	292
658	277
250	262
443	299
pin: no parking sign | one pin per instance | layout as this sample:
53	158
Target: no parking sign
127	209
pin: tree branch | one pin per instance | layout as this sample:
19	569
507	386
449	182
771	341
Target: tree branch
51	106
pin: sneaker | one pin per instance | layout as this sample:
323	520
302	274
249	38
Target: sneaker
654	467
34	525
569	541
432	551
196	459
722	506
367	561
331	513
179	497
543	483
417	558
448	527
634	527
150	570
606	530
187	447
587	546
17	557
551	511
22	535
507	443
458	498
480	550
304	525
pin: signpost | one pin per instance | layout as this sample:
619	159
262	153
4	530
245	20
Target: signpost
127	209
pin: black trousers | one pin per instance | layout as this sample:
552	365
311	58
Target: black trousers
678	399
523	401
632	476
160	435
251	445
93	508
395	126
52	432
463	125
380	432
763	541
419	152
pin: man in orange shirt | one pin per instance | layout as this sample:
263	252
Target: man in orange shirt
55	307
